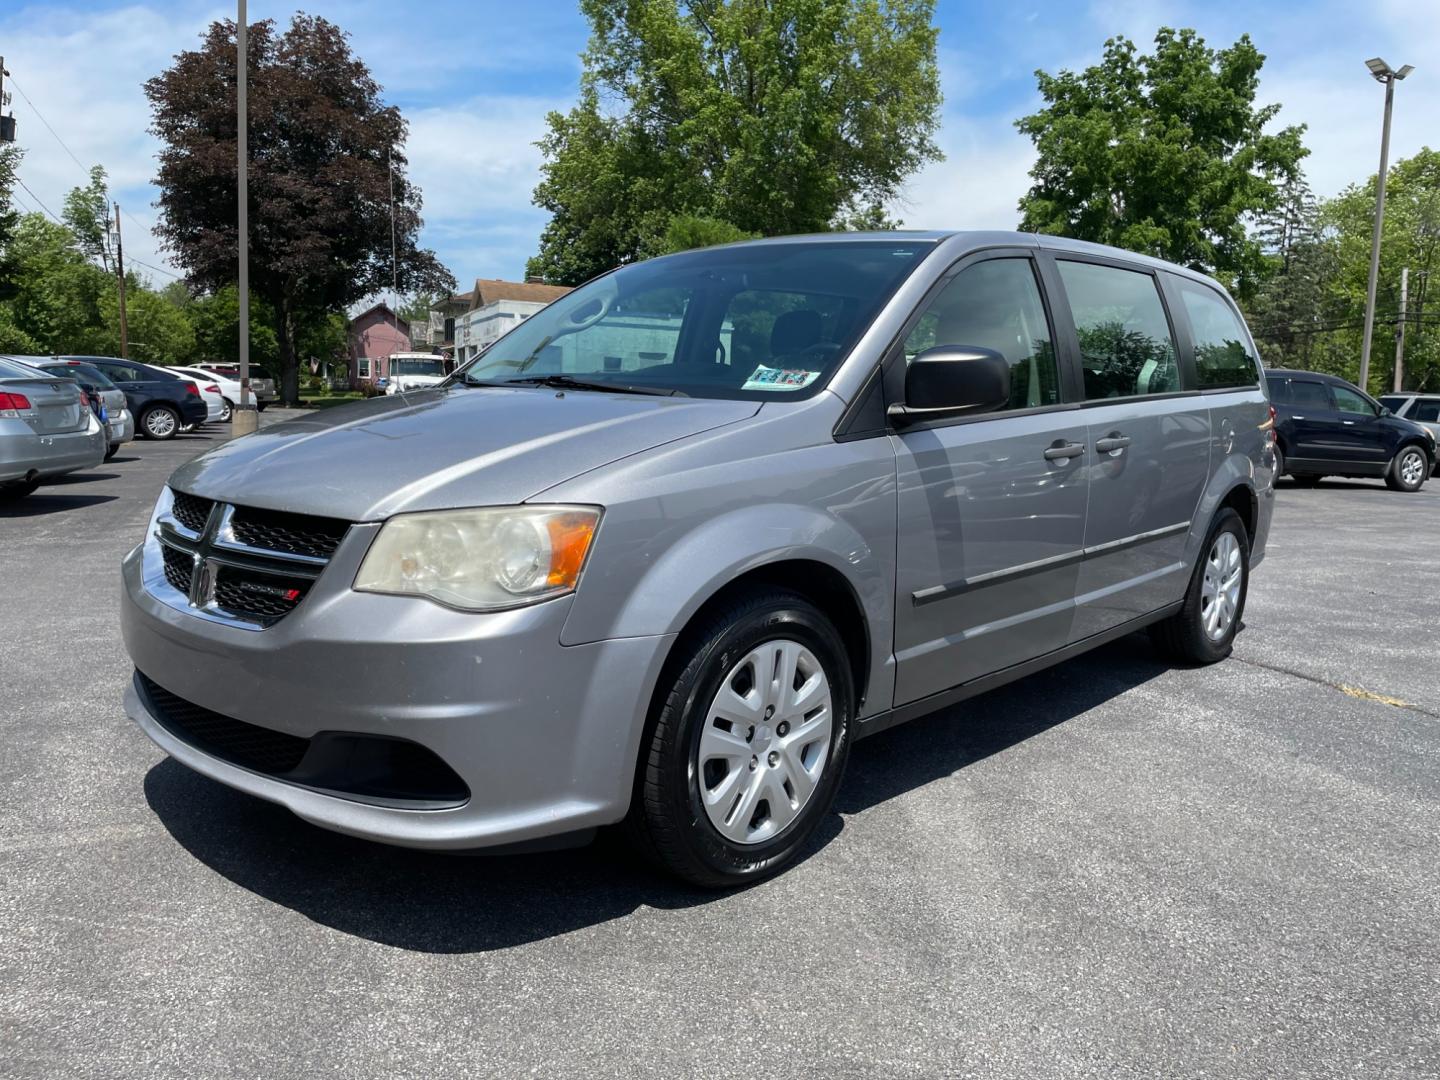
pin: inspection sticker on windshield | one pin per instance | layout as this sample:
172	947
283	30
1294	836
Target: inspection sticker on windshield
769	378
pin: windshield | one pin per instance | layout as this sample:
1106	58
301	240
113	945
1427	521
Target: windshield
1393	403
755	321
416	366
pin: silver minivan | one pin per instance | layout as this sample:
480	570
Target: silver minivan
665	550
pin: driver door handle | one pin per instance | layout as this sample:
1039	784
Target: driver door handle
1112	443
1348	423
1064	451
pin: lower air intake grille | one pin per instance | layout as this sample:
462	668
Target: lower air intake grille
230	740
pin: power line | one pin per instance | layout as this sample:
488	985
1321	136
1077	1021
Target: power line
37	200
48	128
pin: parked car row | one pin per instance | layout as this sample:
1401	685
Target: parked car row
60	414
1325	426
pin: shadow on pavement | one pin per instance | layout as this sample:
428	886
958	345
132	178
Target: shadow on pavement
453	904
36	504
82	478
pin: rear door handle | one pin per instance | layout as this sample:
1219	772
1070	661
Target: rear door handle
1064	451
1112	443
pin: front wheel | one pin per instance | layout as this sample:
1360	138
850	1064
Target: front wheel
160	422
1203	630
12	490
1409	470
748	745
112	450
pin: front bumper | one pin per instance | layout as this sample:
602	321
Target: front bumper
23	452
544	736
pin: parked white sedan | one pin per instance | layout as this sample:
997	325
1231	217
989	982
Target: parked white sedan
216	407
229	389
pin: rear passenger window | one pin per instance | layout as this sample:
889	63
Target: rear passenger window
1125	343
995	305
1427	411
1222	352
1306	394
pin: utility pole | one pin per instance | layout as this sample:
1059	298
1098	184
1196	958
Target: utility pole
245	418
7	123
1400	330
1382	73
120	277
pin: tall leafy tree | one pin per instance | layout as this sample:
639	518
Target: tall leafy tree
1291	310
322	148
1163	153
1410	238
87	214
769	116
10	156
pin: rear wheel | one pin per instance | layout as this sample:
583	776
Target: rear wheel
1203	630
160	422
743	758
112	450
1408	471
12	490
227	411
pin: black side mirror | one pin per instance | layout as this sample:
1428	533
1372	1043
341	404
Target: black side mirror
953	380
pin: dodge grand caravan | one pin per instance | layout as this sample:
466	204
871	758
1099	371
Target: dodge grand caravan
664	551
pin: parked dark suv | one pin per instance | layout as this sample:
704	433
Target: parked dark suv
1327	427
161	403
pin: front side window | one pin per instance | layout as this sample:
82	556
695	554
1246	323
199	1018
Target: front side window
1222	351
760	321
1125	342
995	305
1349	401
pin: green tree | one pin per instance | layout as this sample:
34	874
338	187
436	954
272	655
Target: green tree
159	332
1410	238
87	214
686	232
1165	154
772	116
321	141
10	156
1291	309
56	290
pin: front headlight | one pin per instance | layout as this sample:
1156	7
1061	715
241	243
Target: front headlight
484	559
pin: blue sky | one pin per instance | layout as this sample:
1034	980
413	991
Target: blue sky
475	80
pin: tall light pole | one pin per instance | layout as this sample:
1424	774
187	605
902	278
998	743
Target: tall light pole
244	418
1384	74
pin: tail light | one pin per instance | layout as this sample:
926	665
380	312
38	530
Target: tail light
12	405
1273	437
191	388
84	400
212	389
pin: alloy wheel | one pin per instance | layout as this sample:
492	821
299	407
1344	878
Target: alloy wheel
160	423
1220	589
1412	468
765	742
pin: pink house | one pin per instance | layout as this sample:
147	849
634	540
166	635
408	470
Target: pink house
374	335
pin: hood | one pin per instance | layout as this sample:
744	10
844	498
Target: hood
438	449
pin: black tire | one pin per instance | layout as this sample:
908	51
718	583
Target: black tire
1395	476
1182	636
260	406
14	490
667	822
1307	479
153	422
112	450
1279	464
229	411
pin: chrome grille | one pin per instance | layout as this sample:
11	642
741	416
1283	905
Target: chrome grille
240	564
191	511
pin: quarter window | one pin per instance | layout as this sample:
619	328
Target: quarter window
995	305
1125	343
1427	411
1222	351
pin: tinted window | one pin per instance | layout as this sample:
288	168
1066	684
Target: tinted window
1125	343
1222	351
1394	403
996	305
89	373
124	373
1427	410
750	321
1350	401
1308	394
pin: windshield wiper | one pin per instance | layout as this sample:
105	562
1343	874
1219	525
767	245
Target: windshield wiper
569	382
464	378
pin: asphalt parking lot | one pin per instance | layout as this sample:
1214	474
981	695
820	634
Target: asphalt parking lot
1113	869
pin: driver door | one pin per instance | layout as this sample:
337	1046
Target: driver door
991	508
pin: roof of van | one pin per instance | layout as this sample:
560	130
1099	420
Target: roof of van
983	238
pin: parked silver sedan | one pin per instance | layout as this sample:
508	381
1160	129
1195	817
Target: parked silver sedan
118	418
47	429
